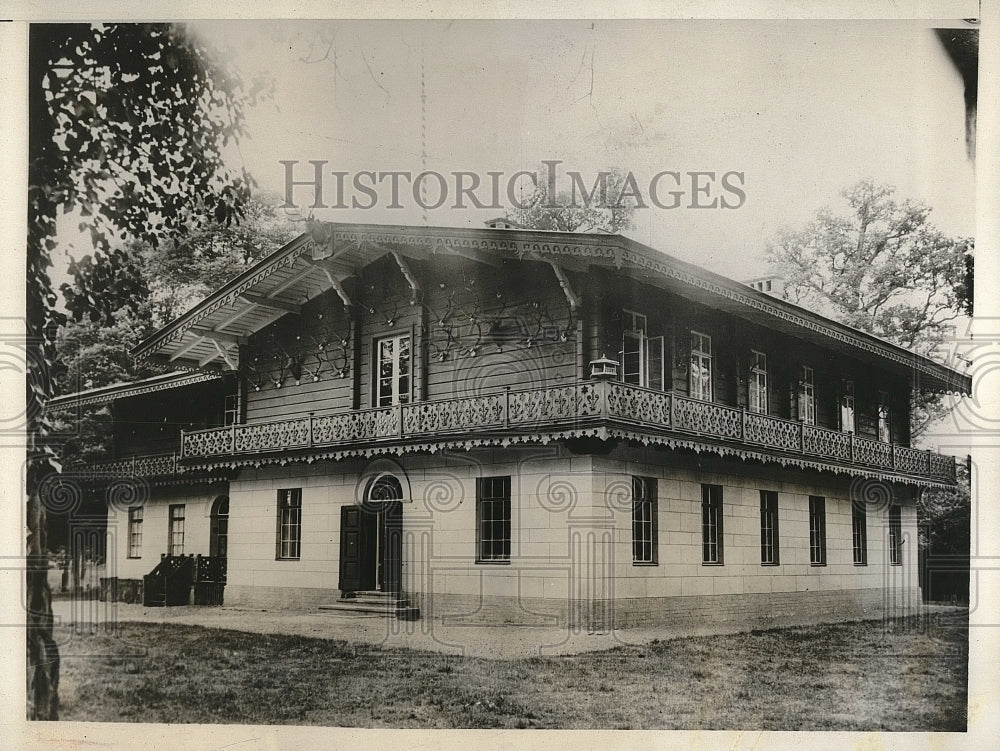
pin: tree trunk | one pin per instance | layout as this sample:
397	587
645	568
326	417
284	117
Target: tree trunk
42	659
42	652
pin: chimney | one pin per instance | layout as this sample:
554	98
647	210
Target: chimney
502	222
769	285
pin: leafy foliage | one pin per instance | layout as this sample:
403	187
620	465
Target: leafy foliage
946	516
878	265
571	213
104	284
129	126
119	298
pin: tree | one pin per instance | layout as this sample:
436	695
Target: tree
945	517
878	265
570	211
117	299
128	129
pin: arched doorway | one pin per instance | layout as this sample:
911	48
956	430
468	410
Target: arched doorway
218	536
371	539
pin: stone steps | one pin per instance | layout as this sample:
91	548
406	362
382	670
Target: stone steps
387	604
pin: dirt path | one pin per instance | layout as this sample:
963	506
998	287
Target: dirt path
488	641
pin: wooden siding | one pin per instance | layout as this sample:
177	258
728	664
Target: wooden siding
295	340
733	339
477	328
465	338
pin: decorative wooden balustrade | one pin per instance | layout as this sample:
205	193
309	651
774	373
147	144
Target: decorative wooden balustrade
573	409
149	465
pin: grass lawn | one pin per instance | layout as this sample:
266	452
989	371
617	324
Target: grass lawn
904	675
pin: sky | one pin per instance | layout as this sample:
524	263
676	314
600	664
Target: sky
801	109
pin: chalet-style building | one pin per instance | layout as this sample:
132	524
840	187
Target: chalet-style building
512	426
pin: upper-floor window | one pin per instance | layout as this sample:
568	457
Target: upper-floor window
884	424
392	367
231	409
758	382
643	520
847	406
807	396
175	540
641	355
700	377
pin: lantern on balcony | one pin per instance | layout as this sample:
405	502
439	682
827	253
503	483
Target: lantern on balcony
603	368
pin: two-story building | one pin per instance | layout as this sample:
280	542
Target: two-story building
512	426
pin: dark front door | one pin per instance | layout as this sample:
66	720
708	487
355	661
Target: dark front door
357	543
371	546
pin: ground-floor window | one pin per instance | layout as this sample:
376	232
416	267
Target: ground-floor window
895	536
817	530
493	519
769	527
289	541
644	520
859	533
711	524
135	532
175	543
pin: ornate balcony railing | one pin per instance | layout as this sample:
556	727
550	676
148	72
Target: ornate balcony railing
583	405
149	465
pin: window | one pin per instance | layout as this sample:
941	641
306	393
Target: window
895	536
847	406
218	537
641	355
643	520
859	533
231	409
135	532
758	382
392	380
711	524
884	424
769	528
493	519
817	530
700	377
807	396
175	544
289	524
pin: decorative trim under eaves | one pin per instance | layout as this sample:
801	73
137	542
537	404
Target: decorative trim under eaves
545	438
128	390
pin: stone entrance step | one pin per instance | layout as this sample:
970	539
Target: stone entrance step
388	604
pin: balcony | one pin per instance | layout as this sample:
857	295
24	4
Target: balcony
165	467
603	409
149	465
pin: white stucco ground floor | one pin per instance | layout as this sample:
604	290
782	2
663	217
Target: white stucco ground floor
540	536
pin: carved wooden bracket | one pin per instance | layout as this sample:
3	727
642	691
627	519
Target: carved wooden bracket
408	275
571	296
